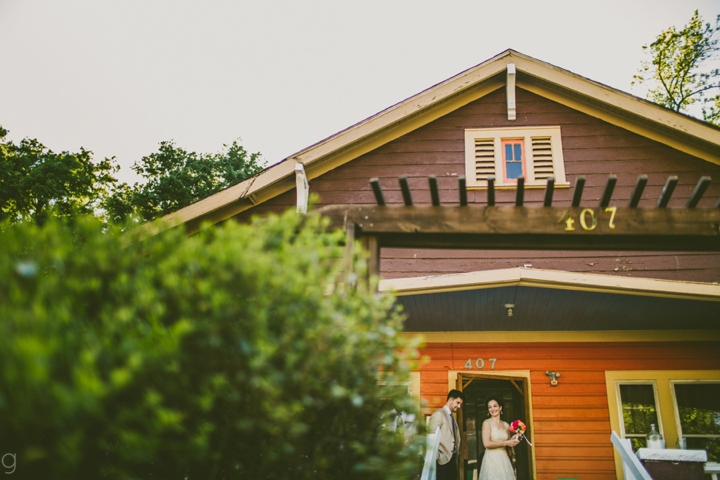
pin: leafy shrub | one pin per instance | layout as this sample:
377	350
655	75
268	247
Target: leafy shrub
234	353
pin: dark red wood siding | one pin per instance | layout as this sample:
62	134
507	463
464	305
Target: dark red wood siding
571	421
591	147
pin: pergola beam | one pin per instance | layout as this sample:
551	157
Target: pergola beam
533	228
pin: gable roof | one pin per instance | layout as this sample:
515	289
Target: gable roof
665	126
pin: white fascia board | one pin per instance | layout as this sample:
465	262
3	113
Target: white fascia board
360	130
616	98
432	96
553	279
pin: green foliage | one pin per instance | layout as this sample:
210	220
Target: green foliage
678	72
175	178
35	181
234	353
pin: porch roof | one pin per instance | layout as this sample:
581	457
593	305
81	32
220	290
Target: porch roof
547	300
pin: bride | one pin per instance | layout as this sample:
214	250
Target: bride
496	436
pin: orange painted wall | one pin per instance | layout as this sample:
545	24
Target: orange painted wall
571	421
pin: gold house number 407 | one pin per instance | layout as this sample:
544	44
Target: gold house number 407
588	219
480	363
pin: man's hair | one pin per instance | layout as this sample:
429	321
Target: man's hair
455	394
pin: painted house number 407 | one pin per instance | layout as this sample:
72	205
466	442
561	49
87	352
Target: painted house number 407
480	363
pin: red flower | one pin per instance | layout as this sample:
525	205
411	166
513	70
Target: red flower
518	427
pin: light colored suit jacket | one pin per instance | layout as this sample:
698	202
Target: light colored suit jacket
441	419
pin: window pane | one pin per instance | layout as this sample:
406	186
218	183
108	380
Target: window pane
514	169
638	442
513	159
699	408
709	444
638	408
508	152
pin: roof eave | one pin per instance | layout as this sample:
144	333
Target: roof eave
614	106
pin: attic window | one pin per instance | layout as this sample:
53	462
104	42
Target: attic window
513	159
506	153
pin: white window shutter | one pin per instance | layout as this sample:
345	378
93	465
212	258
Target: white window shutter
484	158
542	158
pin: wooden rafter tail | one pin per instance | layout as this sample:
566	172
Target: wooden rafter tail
579	186
520	194
549	189
379	197
699	191
405	187
491	191
434	192
463	190
609	187
638	191
667	191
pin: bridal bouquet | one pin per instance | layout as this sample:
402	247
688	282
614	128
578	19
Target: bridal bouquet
518	428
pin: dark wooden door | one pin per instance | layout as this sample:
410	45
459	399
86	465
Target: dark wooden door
477	388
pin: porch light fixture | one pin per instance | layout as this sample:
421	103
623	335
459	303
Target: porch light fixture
553	377
509	307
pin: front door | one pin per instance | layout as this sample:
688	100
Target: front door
477	388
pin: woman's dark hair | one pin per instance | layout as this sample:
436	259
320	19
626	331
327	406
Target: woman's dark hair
491	398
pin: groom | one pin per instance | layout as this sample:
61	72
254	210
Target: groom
447	460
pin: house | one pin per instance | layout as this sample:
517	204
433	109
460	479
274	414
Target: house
580	283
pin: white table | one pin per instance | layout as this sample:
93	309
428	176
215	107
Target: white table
713	469
672	459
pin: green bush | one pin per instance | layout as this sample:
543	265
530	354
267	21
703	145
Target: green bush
234	353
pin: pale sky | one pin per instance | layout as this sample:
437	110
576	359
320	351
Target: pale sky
118	77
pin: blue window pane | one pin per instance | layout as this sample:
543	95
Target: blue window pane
514	169
508	151
518	152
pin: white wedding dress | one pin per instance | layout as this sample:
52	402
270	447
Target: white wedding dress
496	462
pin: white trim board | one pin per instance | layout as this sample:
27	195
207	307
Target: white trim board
533	277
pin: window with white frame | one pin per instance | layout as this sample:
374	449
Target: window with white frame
697	409
403	423
638	405
506	153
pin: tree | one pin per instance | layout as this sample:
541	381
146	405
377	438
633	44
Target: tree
236	353
35	181
678	69
175	178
